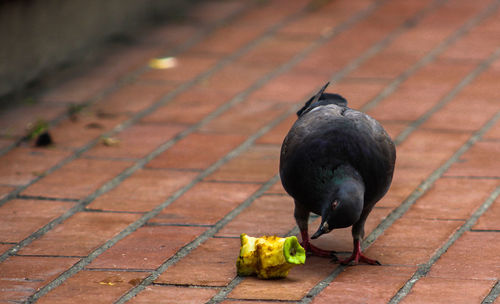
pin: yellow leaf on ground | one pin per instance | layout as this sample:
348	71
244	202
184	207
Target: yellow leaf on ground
163	63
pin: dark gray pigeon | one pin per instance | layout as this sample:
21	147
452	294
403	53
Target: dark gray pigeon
337	163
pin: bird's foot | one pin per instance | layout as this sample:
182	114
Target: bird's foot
313	250
358	257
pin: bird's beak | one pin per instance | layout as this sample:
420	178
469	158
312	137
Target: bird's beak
322	229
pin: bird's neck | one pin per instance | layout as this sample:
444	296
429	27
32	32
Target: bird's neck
349	190
346	175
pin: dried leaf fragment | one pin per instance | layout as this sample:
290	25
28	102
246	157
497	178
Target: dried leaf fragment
110	141
94	125
135	281
111	281
163	63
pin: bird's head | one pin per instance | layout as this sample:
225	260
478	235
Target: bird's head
342	212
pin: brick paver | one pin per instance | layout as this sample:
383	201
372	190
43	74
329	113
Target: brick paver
149	183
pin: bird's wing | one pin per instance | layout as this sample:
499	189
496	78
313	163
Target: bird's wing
378	154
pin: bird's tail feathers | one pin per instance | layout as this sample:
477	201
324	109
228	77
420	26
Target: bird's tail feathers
322	98
320	92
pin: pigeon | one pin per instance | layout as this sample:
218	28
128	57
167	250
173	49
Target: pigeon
335	162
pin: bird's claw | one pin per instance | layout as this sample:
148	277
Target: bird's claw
357	258
313	250
334	259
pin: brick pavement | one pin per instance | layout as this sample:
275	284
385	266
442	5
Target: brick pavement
156	217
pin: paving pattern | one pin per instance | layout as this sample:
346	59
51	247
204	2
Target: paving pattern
154	173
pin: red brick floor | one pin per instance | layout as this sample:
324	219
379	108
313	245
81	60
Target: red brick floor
155	217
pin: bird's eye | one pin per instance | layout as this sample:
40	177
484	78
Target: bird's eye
335	204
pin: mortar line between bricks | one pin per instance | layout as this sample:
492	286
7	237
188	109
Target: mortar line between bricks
407	203
44	198
233	182
51	256
174	49
98	157
424	269
178	225
472	177
175	169
485	230
492	295
90	210
263	300
472	22
187	286
225	237
119	269
134	226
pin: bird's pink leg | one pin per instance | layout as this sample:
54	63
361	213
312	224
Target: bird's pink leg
313	250
358	257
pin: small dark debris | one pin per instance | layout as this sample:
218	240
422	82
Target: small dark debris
94	125
135	281
105	115
44	139
73	111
